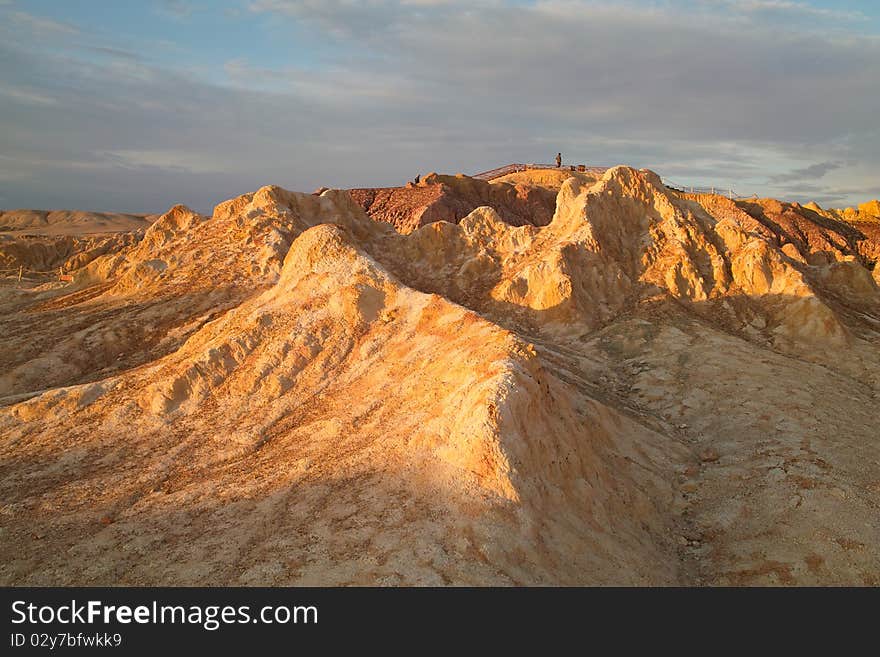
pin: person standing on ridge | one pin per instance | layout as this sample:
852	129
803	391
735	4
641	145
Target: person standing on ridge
558	160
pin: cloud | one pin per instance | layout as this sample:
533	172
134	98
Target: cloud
177	9
790	8
25	96
608	64
813	171
182	161
40	25
718	95
118	53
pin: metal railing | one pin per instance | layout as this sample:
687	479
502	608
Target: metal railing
720	191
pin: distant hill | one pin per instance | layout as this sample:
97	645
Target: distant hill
71	222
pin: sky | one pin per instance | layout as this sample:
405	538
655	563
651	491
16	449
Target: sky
134	106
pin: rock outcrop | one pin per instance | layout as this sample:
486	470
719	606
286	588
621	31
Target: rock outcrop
451	198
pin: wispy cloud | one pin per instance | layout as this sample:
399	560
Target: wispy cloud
118	53
184	161
26	96
40	25
811	172
178	9
791	8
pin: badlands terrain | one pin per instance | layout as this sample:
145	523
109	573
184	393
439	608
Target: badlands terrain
550	378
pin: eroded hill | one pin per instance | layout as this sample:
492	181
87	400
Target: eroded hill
38	244
647	388
452	198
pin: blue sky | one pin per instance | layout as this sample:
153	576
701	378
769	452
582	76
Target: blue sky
135	106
